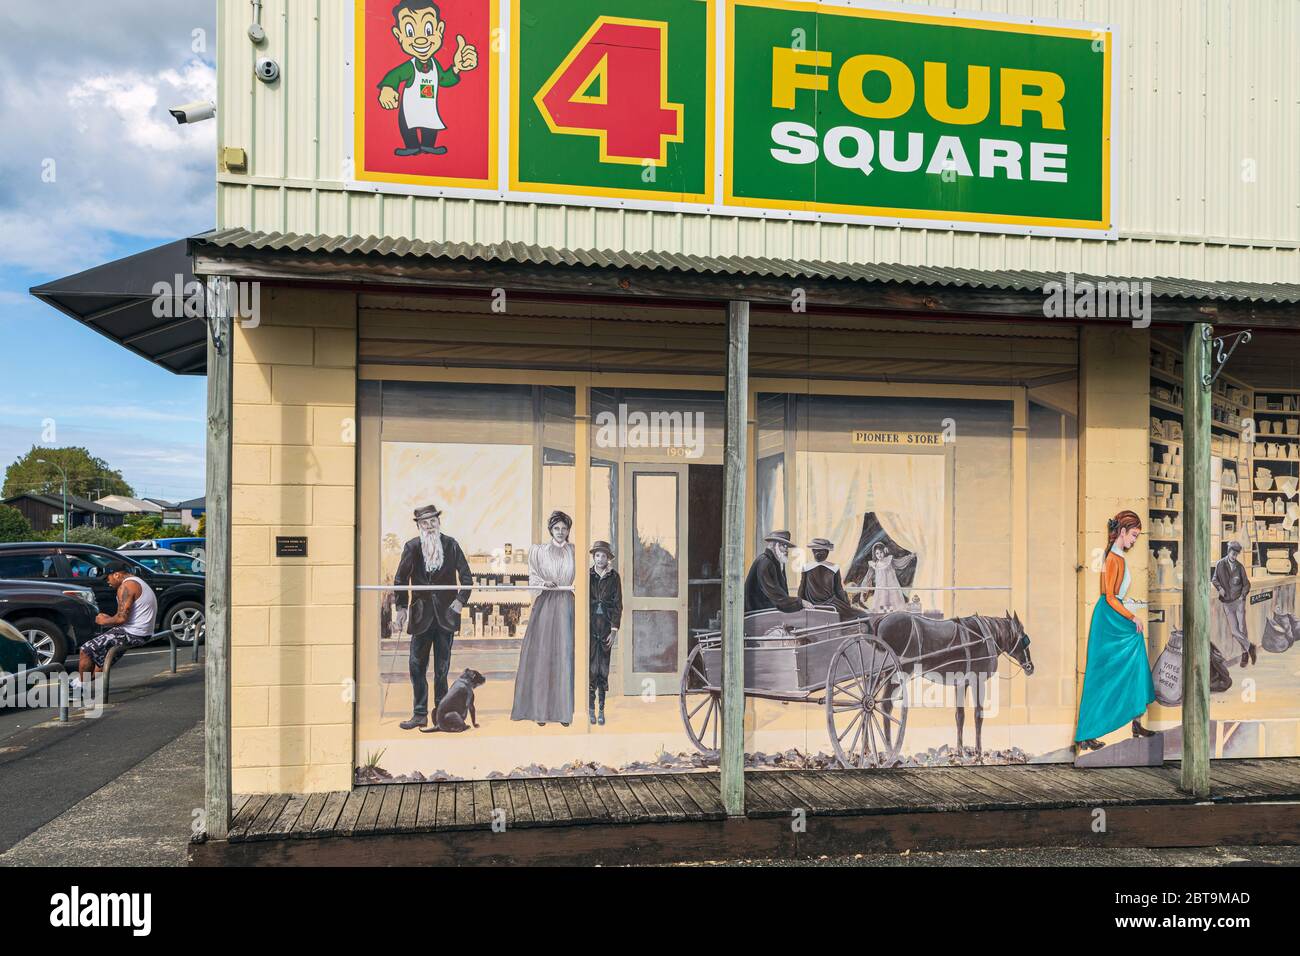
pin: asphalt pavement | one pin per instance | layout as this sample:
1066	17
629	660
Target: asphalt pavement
47	768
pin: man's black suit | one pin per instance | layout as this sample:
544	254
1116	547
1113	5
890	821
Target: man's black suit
430	620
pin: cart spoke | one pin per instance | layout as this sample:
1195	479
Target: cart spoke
704	702
857	717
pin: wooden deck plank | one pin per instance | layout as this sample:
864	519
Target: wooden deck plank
592	797
247	814
615	810
237	803
1252	776
347	822
707	798
501	798
310	812
329	814
263	826
484	805
872	789
464	805
409	810
763	797
444	815
578	810
284	824
426	816
804	795
555	797
520	803
673	784
542	814
668	799
645	794
390	807
635	809
369	815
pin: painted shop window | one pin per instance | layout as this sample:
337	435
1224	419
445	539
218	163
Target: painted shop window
897	560
471	505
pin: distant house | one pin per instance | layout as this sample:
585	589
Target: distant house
191	511
45	512
131	506
171	511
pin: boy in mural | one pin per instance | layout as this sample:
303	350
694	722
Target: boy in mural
606	616
412	88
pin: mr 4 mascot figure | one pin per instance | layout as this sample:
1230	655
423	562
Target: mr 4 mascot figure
412	87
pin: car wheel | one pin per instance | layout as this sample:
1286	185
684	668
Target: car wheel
47	637
182	617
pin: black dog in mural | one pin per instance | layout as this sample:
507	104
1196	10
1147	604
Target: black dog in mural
459	703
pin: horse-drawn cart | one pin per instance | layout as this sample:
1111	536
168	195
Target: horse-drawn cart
812	657
858	670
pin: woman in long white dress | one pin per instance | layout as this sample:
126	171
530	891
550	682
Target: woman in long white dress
544	681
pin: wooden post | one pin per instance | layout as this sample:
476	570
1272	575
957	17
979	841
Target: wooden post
1196	560
735	461
217	565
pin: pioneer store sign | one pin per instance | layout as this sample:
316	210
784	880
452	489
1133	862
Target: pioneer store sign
804	110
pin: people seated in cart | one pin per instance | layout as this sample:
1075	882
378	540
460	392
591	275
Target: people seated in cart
822	585
765	585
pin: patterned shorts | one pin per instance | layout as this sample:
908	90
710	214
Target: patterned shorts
97	648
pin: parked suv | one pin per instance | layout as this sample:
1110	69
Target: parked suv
180	596
55	618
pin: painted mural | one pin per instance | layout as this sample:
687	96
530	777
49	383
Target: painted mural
884	625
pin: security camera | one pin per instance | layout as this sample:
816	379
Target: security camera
194	112
268	71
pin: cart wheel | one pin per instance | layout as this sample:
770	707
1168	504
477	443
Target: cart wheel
701	706
866	703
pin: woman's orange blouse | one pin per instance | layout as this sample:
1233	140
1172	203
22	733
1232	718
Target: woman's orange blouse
1112	578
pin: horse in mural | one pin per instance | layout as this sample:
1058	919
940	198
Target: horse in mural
960	652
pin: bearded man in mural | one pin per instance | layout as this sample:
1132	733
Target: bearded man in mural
765	585
431	618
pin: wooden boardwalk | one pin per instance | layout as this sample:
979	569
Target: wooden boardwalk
694	797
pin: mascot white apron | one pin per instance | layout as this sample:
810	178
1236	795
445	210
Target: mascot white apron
420	99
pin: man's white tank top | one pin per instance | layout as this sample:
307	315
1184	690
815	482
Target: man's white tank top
143	611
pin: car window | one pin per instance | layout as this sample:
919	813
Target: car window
89	566
26	566
180	565
149	562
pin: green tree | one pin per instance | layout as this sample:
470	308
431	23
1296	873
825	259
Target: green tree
88	535
88	476
13	526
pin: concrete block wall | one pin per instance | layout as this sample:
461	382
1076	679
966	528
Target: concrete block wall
294	474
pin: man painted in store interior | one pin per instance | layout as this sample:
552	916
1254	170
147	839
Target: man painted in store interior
431	618
1233	586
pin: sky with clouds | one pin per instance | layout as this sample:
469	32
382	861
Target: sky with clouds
93	169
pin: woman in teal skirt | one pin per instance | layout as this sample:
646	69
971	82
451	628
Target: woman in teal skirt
1117	686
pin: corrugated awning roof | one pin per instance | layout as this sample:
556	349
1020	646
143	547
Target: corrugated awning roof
119	300
523	254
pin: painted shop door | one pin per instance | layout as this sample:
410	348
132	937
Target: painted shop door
652	640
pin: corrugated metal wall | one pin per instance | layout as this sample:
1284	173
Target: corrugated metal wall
1209	125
